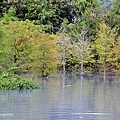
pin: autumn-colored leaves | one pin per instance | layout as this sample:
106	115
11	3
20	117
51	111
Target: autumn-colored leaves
27	46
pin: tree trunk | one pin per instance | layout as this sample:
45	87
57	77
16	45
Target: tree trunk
63	55
104	66
82	52
82	58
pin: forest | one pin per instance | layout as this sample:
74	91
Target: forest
46	36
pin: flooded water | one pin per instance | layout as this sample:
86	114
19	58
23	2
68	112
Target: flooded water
90	98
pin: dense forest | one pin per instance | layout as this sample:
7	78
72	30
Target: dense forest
45	36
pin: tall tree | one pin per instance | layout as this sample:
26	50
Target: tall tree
44	56
1	46
81	44
16	43
103	45
63	42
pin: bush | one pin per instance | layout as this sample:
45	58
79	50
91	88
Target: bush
17	83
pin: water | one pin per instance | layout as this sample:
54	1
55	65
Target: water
89	98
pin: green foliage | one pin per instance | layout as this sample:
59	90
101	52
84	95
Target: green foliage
44	57
91	19
16	83
113	17
1	31
82	5
103	45
50	13
17	49
86	40
80	49
10	16
10	81
72	10
28	48
1	7
40	11
116	50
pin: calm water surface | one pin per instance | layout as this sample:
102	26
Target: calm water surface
89	98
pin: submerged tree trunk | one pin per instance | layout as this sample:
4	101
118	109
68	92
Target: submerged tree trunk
82	71
81	39
43	66
82	54
63	54
104	73
82	64
104	66
63	57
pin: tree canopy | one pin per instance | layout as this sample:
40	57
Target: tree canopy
32	30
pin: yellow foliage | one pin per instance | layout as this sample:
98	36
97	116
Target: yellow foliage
44	53
36	48
104	43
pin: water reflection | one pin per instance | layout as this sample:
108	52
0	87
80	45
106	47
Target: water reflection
72	98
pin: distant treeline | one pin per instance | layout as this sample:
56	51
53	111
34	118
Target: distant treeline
44	36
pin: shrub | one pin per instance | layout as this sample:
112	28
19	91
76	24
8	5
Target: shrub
17	83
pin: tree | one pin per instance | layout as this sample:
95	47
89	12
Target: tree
103	45
72	10
113	17
1	39
116	50
44	57
63	43
1	31
81	45
50	13
41	11
15	45
29	48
